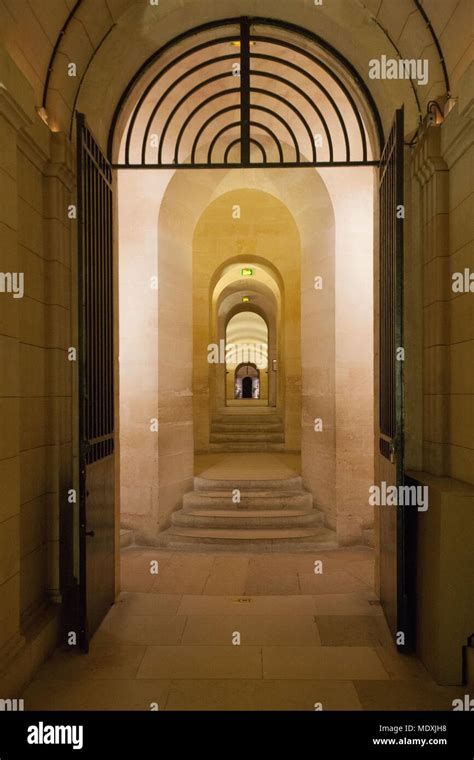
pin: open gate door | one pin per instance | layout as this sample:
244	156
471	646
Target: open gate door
96	384
397	523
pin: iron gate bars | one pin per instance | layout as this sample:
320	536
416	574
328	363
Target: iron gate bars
96	360
273	101
391	294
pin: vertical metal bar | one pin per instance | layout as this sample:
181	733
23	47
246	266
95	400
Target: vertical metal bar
82	301
245	90
111	311
399	264
105	335
105	211
92	289
101	327
90	326
97	297
105	190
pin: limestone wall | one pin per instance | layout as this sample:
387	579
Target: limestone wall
36	378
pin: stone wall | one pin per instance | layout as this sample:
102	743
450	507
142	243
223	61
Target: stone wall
36	184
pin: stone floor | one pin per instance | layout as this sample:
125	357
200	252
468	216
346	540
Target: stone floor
305	640
247	466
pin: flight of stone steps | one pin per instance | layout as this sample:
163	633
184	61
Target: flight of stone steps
259	430
246	515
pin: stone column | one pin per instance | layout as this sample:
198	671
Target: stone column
58	186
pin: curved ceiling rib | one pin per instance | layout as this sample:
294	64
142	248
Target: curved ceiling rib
308	115
75	6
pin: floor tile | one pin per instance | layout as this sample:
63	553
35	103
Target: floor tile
146	604
104	661
331	582
191	563
124	694
201	662
143	629
340	663
346	604
255	630
305	639
267	582
227	576
353	630
180	581
254	605
402	667
363	570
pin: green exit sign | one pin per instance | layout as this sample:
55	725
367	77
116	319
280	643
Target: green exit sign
246	272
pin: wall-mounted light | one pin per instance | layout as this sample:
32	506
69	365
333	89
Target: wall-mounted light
245	299
43	114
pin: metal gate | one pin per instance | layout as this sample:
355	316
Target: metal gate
396	524
96	383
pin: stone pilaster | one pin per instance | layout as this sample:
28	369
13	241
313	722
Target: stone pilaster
58	185
433	176
14	116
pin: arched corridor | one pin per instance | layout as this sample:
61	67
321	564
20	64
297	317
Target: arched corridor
236	380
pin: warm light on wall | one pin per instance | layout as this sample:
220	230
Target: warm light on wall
43	114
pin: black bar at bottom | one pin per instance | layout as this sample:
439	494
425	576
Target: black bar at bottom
126	734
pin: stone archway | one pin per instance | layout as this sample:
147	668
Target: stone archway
336	332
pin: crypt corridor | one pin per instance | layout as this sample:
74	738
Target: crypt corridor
238	324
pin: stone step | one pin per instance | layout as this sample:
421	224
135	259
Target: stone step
247	534
254	437
246	427
247	485
250	409
246	519
247	420
258	500
298	540
236	447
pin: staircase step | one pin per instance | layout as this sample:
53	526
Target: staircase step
248	485
257	536
250	407
247	519
258	500
318	540
263	419
247	534
235	447
240	514
238	437
245	427
271	514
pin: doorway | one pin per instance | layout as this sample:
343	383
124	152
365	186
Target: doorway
319	317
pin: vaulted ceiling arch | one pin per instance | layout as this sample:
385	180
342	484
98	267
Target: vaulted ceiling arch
108	40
